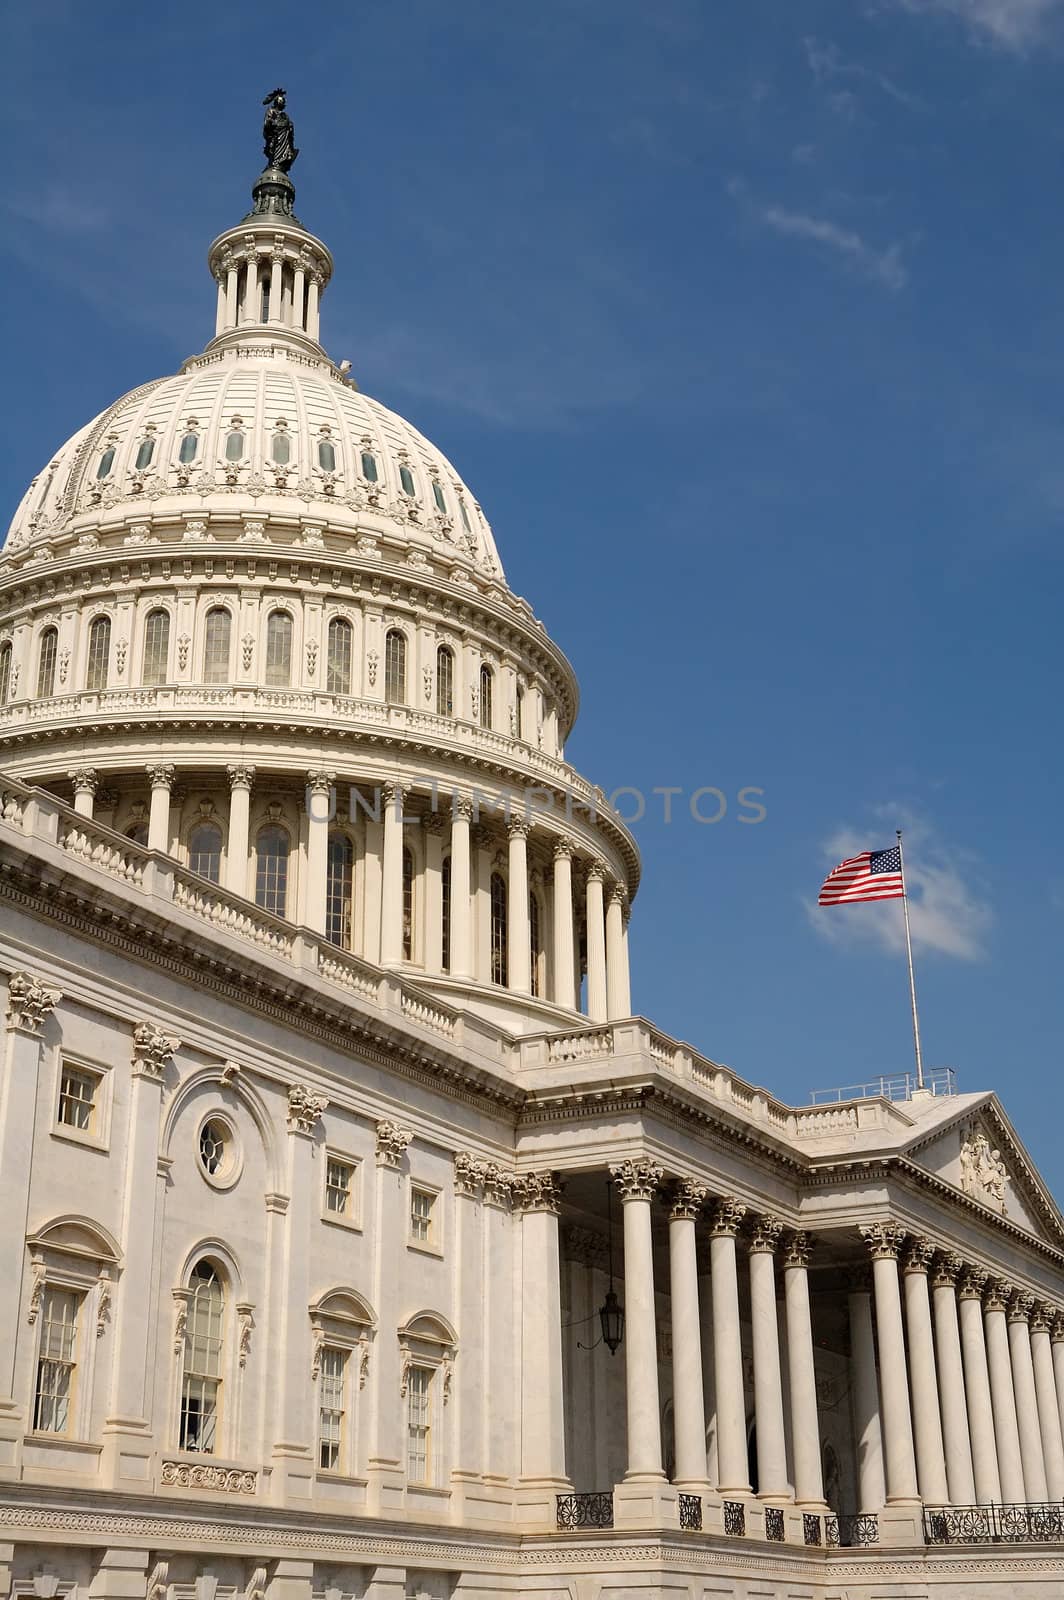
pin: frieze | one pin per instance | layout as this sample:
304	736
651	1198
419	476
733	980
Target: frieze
230	1480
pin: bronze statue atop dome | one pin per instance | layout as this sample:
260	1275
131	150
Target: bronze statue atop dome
278	133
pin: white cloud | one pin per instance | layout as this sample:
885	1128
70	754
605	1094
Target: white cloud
1013	24
884	267
827	64
948	909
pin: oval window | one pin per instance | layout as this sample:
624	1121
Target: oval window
189	446
107	461
406	478
282	449
144	454
369	467
326	456
234	446
213	1146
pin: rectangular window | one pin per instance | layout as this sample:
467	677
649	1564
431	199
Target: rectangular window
419	1425
422	1220
339	1187
332	1383
77	1099
56	1361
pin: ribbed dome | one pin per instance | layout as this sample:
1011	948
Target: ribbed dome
261	427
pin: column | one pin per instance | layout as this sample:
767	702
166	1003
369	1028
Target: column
564	959
542	1461
618	994
433	825
238	844
219	314
884	1241
385	1465
687	1397
597	1010
85	783
1056	1337
709	1382
805	1421
161	777
299	293
772	1482
636	1182
977	1387
518	964
1002	1394
313	294
733	1466
1023	1387
923	1377
291	1402
232	279
461	890
469	1174
251	288
1048	1412
320	803
483	842
955	1438
276	263
392	796
864	1396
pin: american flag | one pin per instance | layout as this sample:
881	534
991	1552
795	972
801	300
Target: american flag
873	875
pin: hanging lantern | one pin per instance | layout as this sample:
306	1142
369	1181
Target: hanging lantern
611	1316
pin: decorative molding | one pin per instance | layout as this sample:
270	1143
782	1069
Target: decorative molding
637	1179
320	781
230	1480
161	774
392	1141
884	1241
765	1236
85	780
918	1255
245	1323
1020	1306
726	1218
797	1249
998	1294
475	1177
686	1199
304	1109
240	776
972	1283
29	1003
153	1050
947	1269
537	1191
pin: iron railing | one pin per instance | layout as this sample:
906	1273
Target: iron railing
774	1522
995	1524
851	1531
691	1512
939	1080
735	1518
811	1527
594	1510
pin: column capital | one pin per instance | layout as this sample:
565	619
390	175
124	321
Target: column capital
595	871
562	849
86	780
617	894
304	1109
320	781
518	828
1021	1304
638	1179
29	1003
1056	1333
918	1254
240	776
726	1218
392	1141
153	1050
797	1248
393	793
947	1269
972	1283
765	1236
468	1173
161	774
686	1199
998	1294
537	1191
461	808
1041	1317
883	1240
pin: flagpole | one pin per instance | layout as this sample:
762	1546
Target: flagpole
912	979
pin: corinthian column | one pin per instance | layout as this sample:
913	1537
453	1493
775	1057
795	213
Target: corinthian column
1048	1413
519	964
805	1422
237	846
768	1380
688	1399
392	875
461	890
597	1008
564	960
884	1243
161	777
636	1181
1034	1467
536	1196
318	794
957	1444
977	1388
1003	1397
927	1422
868	1432
618	995
733	1467
86	783
1056	1336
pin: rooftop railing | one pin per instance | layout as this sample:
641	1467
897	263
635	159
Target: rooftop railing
900	1086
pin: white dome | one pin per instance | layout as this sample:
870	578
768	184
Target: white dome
224	412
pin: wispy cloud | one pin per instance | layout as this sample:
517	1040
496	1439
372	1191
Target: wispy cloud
1011	24
948	908
828	66
885	267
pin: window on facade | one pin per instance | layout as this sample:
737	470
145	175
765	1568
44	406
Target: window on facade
406	479
47	649
217	636
144	454
234	446
99	654
339	890
444	682
281	449
535	939
326	455
5	673
332	1383
264	309
369	467
498	928
439	496
419	1424
107	461
487	685
213	1146
422	1206
77	1098
189	446
340	656
201	1378
408	905
395	667
465	515
445	895
56	1361
156	647
279	649
271	869
339	1187
205	850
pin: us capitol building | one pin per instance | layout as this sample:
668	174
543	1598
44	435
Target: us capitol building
357	1242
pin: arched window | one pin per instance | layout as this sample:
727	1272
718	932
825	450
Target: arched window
535	940
156	647
339	890
234	446
406	480
271	869
217	637
340	654
445	890
46	654
201	1372
279	649
326	455
99	653
487	684
444	682
107	461
205	850
144	454
439	496
465	515
395	667
281	449
408	905
265	307
369	466
5	673
498	928
520	708
189	446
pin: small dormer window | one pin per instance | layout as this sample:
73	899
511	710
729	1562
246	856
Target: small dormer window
144	454
107	461
189	446
406	479
369	466
234	446
326	455
281	449
439	496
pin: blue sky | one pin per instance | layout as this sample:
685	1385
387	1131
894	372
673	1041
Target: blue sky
746	324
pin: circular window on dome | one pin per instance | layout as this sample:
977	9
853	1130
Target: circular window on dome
217	1151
